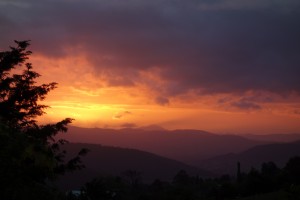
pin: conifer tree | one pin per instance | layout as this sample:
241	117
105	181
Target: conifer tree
30	155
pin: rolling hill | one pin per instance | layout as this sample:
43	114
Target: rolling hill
187	146
104	160
292	137
279	153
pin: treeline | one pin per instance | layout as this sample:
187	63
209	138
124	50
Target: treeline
256	182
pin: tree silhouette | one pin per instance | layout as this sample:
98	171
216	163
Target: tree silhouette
29	153
18	93
292	170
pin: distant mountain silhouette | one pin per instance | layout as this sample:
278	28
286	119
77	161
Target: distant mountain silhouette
104	160
278	153
183	145
292	137
152	127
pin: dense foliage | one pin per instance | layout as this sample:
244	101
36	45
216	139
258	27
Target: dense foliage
270	182
30	156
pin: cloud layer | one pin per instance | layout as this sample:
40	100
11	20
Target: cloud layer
207	47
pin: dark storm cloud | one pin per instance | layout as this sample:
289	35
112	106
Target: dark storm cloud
206	46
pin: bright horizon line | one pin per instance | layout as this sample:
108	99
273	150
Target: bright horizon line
144	128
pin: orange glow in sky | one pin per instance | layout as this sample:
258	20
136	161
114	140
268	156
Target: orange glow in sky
221	66
88	99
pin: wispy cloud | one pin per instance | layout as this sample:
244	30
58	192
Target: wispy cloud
128	125
246	105
162	101
121	115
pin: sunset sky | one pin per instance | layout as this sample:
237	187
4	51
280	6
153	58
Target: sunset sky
226	66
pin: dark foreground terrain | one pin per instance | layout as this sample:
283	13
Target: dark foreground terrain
268	182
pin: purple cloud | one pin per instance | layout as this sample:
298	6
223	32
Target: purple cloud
205	46
246	105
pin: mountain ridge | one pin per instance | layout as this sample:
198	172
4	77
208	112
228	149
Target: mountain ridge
279	153
114	161
183	145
